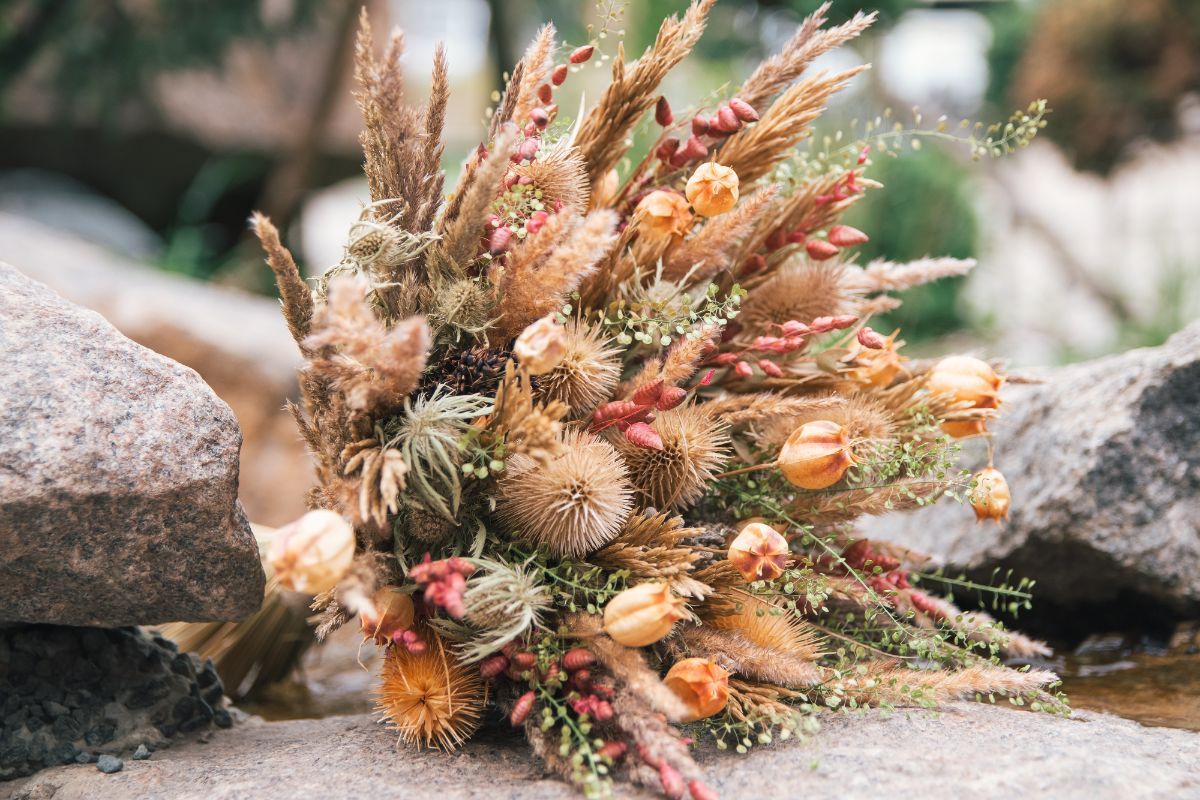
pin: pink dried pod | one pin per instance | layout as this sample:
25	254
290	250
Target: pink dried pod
499	241
617	409
668	149
559	74
612	750
770	368
545	93
672	782
662	112
753	264
521	709
492	666
539	117
578	658
871	339
745	112
743	369
648	394
642	435
777	239
845	236
699	125
536	221
701	791
820	250
671	397
727	122
581	54
797	237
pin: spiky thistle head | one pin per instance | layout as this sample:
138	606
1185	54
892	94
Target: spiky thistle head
770	626
572	504
800	290
430	697
588	372
695	446
503	601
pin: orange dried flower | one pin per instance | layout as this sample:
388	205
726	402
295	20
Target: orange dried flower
391	612
990	497
759	552
968	380
642	614
313	553
879	366
816	455
701	684
664	215
712	189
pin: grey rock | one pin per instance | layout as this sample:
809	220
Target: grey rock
1103	461
109	764
969	750
118	477
142	753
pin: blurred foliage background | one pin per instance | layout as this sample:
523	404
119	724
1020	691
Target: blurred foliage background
184	115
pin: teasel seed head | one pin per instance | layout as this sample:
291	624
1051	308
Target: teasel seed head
588	372
431	698
695	446
573	504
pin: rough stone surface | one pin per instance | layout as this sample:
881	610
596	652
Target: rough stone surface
118	477
70	695
1103	460
237	341
974	751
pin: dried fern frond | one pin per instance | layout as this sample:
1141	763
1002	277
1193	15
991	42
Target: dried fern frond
570	505
653	547
810	41
375	368
695	445
293	291
588	372
431	698
634	89
756	149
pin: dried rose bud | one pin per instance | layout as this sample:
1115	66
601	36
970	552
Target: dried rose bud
990	497
313	553
759	552
545	93
664	214
699	125
541	346
559	74
662	112
391	613
712	189
642	614
845	236
820	250
701	684
581	54
816	455
870	338
745	112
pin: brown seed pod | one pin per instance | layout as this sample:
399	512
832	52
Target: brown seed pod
521	709
493	665
578	658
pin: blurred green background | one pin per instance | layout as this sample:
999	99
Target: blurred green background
156	126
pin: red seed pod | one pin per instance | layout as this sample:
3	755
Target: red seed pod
820	250
545	93
667	149
612	750
694	148
770	367
552	671
753	264
671	397
777	239
743	369
642	435
527	150
578	658
416	647
493	666
648	394
662	112
871	339
845	236
708	377
701	791
617	409
536	220
648	757
797	237
581	679
672	781
499	240
745	112
602	711
581	54
559	75
727	122
794	328
539	117
524	659
699	125
725	359
521	709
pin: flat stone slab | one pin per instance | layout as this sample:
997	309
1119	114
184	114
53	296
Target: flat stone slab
118	477
965	751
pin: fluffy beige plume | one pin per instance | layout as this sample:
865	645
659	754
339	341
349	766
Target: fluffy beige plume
293	291
536	66
889	276
809	42
765	407
715	247
374	367
538	279
736	652
903	686
756	149
977	625
634	89
770	626
571	505
426	182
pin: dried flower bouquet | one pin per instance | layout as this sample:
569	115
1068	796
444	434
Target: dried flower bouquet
592	431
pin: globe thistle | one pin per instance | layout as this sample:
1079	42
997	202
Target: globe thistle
503	601
431	698
587	374
695	446
571	505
